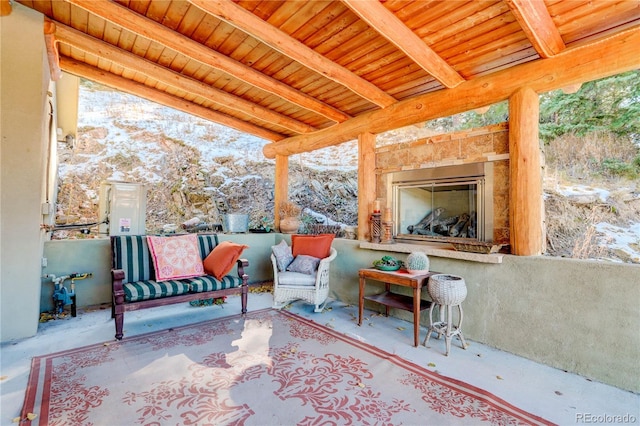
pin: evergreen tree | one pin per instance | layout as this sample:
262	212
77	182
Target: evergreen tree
610	104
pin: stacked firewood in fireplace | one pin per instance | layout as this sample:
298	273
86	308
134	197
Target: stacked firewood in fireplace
438	224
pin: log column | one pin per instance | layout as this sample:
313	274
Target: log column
366	181
526	212
281	186
5	7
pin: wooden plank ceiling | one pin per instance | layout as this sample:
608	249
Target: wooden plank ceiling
283	69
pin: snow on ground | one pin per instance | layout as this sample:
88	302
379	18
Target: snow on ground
625	241
586	192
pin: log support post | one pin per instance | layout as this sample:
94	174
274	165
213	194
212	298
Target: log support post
281	183
526	212
366	181
5	8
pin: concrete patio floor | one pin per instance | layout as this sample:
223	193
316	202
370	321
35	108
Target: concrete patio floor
553	394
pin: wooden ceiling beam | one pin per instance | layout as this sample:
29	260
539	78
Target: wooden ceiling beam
126	59
604	57
534	18
53	56
246	21
124	85
395	31
149	29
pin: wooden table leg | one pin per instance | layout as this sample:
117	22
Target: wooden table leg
361	300
416	316
387	288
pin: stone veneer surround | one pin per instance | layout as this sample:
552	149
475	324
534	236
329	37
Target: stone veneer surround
485	144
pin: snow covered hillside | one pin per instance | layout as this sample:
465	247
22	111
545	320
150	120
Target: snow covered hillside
192	166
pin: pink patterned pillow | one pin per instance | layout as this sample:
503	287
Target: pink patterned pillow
175	257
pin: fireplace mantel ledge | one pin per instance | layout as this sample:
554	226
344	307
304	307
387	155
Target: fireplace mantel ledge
436	250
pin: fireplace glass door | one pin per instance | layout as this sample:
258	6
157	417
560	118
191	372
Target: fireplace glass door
439	210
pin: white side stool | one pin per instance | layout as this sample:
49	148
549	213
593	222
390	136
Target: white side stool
446	291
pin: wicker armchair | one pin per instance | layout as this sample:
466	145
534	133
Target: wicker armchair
289	286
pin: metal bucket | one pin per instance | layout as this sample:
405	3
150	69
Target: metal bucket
235	223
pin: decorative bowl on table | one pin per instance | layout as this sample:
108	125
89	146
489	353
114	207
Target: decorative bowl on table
387	267
388	263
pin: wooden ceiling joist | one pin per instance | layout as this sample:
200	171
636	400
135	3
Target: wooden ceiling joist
608	56
394	30
534	18
126	59
138	89
275	38
52	50
307	75
154	31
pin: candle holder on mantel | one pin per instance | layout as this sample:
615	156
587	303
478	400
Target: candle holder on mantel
376	228
387	233
387	227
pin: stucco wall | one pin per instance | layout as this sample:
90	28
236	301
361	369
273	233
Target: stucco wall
576	315
24	136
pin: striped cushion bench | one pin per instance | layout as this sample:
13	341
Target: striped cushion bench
134	286
146	290
209	283
149	289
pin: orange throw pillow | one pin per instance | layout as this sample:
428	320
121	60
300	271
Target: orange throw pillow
312	245
222	258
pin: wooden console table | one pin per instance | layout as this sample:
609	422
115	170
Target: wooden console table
394	300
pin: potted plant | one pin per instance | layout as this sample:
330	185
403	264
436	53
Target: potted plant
417	261
388	263
289	217
260	225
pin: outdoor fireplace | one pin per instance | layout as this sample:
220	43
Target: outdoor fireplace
443	203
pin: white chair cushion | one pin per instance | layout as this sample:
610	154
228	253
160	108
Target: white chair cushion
296	279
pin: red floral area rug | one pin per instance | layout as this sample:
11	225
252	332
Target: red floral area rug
269	368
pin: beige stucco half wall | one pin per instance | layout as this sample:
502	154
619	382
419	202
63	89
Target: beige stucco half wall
580	316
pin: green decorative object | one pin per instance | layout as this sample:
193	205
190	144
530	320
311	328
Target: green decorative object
388	263
388	268
417	261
